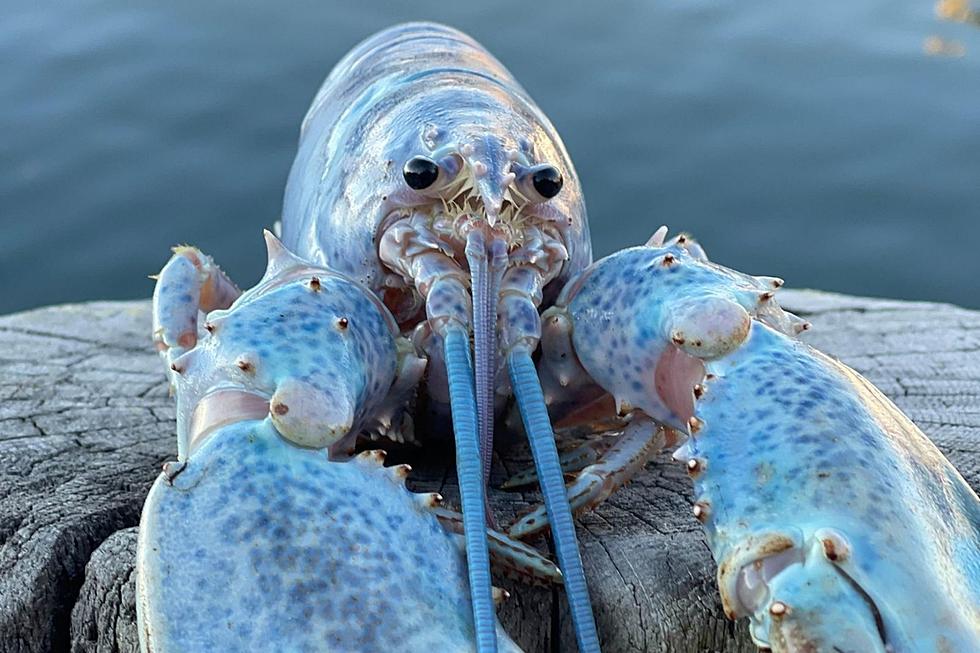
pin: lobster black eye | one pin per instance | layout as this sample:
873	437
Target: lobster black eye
547	181
420	172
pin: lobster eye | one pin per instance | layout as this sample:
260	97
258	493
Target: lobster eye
547	181
420	172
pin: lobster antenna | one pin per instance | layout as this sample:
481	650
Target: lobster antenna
472	491
534	413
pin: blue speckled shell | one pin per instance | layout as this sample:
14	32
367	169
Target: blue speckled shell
288	331
794	443
259	545
367	120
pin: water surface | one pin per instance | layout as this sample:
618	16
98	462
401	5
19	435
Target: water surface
820	142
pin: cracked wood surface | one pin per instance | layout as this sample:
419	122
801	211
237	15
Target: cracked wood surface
85	422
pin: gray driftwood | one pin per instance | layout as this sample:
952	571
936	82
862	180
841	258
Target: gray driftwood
85	423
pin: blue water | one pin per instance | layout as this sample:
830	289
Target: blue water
814	141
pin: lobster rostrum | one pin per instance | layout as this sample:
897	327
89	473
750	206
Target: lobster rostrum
428	174
836	524
319	553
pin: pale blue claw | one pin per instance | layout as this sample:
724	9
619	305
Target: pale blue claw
810	603
257	544
315	554
835	522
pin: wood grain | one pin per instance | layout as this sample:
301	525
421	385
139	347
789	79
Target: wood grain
85	423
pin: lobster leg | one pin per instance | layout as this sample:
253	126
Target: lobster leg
509	556
641	440
583	436
572	460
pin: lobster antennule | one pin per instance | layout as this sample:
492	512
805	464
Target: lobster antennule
485	273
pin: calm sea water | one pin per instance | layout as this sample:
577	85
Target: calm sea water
820	142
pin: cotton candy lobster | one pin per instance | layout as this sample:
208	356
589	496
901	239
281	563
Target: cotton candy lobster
255	539
432	199
428	174
836	524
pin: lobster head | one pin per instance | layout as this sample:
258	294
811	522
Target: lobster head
487	164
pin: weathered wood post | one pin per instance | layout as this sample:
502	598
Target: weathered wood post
85	423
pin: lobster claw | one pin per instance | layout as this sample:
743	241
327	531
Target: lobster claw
675	377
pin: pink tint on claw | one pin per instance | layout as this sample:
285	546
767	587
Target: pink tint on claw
675	376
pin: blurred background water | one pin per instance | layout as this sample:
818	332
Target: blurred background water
834	144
